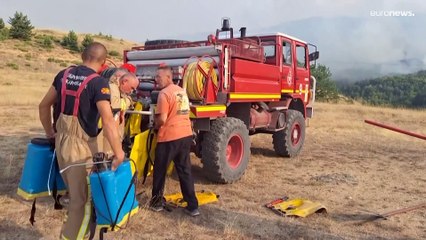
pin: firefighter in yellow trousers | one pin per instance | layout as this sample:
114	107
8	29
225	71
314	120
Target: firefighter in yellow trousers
81	97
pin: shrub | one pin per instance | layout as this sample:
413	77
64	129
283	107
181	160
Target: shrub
14	66
22	49
46	41
1	23
86	41
4	34
114	53
70	41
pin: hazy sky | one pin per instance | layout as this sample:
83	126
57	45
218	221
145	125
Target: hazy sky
140	20
352	43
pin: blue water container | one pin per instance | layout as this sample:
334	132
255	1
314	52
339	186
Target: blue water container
109	191
39	164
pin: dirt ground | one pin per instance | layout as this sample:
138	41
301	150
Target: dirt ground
352	168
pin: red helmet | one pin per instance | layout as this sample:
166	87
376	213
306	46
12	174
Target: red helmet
103	67
130	67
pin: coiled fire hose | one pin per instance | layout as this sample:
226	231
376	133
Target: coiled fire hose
195	78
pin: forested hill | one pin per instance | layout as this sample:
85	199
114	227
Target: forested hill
401	91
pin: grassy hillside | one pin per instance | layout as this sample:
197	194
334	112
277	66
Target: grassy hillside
27	68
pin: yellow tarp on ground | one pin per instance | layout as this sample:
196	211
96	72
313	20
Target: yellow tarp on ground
203	197
296	207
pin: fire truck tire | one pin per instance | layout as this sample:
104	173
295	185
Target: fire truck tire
289	141
226	150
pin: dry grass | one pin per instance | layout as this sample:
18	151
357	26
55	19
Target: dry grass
350	167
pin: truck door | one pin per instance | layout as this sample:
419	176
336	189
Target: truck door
301	71
287	73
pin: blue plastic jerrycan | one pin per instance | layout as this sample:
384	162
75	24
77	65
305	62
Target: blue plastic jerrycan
113	194
41	172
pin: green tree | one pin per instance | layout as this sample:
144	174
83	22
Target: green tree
1	23
419	100
400	90
4	32
86	41
70	41
20	27
326	87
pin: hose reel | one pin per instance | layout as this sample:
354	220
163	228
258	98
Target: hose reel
196	77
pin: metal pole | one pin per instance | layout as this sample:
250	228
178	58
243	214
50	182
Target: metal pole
82	164
139	112
396	129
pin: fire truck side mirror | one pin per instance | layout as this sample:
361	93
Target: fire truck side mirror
313	56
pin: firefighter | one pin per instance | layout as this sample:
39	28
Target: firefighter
81	97
173	142
122	83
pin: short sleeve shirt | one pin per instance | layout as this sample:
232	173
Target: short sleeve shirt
174	102
96	90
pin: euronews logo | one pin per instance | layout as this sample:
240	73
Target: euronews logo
391	13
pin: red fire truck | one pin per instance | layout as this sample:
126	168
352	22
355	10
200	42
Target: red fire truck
238	86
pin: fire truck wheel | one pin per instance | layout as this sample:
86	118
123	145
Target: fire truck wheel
226	150
289	141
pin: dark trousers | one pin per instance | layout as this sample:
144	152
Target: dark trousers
178	151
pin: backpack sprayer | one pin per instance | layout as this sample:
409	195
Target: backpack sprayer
113	203
40	175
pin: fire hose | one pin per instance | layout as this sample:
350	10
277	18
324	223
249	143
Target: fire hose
395	129
195	79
